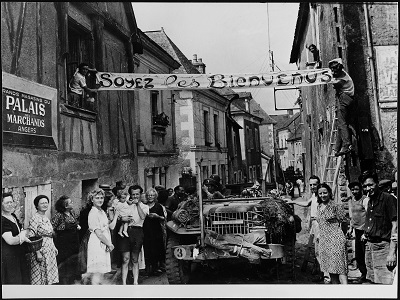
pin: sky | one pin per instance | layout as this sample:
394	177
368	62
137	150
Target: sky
230	38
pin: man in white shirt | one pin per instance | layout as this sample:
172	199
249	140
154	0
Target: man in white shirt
130	246
344	86
77	85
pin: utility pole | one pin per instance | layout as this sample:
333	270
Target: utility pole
271	61
272	69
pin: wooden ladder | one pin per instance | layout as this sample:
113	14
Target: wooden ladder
332	163
330	176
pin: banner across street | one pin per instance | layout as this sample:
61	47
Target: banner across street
135	81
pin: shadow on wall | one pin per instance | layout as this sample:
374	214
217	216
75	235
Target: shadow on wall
384	158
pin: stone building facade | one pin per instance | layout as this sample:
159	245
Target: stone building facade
365	36
65	149
200	121
158	161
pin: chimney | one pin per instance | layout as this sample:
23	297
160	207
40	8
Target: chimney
198	63
246	105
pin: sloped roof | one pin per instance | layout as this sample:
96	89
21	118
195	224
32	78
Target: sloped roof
288	121
297	134
260	112
280	120
161	38
244	95
254	107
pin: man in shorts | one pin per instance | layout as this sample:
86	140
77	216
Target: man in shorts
130	246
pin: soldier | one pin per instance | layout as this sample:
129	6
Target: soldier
210	190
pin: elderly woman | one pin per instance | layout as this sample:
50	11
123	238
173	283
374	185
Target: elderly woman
99	244
154	250
43	263
65	224
13	265
332	243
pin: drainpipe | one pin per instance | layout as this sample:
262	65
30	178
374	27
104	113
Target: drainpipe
373	73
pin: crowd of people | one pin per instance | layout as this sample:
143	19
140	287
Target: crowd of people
125	227
120	227
373	224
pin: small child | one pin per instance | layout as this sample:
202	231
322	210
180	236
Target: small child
123	209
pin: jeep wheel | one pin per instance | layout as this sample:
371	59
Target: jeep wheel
178	271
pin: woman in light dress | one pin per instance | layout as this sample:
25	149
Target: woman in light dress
99	243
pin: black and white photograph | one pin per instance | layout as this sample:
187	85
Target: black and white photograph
199	149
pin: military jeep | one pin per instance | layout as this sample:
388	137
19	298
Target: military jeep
255	229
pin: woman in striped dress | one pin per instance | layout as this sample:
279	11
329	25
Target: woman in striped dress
332	241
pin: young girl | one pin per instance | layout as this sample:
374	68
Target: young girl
123	210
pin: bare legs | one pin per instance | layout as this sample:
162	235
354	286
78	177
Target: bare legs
125	263
126	258
338	278
135	271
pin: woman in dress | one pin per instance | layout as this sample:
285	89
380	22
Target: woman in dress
13	264
99	244
66	226
332	241
43	263
154	250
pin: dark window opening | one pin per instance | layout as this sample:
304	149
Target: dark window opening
335	11
80	50
206	122
340	52
154	104
216	129
88	186
338	34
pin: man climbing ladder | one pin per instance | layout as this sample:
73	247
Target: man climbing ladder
343	84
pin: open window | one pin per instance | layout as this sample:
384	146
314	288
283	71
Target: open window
80	50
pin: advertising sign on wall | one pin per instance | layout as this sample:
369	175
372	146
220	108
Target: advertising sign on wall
387	62
29	116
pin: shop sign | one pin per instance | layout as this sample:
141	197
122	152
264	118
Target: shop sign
29	113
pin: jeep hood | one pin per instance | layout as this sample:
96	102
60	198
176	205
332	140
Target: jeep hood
229	207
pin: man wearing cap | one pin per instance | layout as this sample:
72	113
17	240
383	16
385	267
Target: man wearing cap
210	190
380	226
344	86
357	220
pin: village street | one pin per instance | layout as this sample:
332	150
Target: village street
172	130
242	272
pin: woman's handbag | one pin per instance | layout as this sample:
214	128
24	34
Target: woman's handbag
82	255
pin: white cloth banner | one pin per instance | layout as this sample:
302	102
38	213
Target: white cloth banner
134	81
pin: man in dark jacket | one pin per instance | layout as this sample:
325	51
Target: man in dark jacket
172	202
